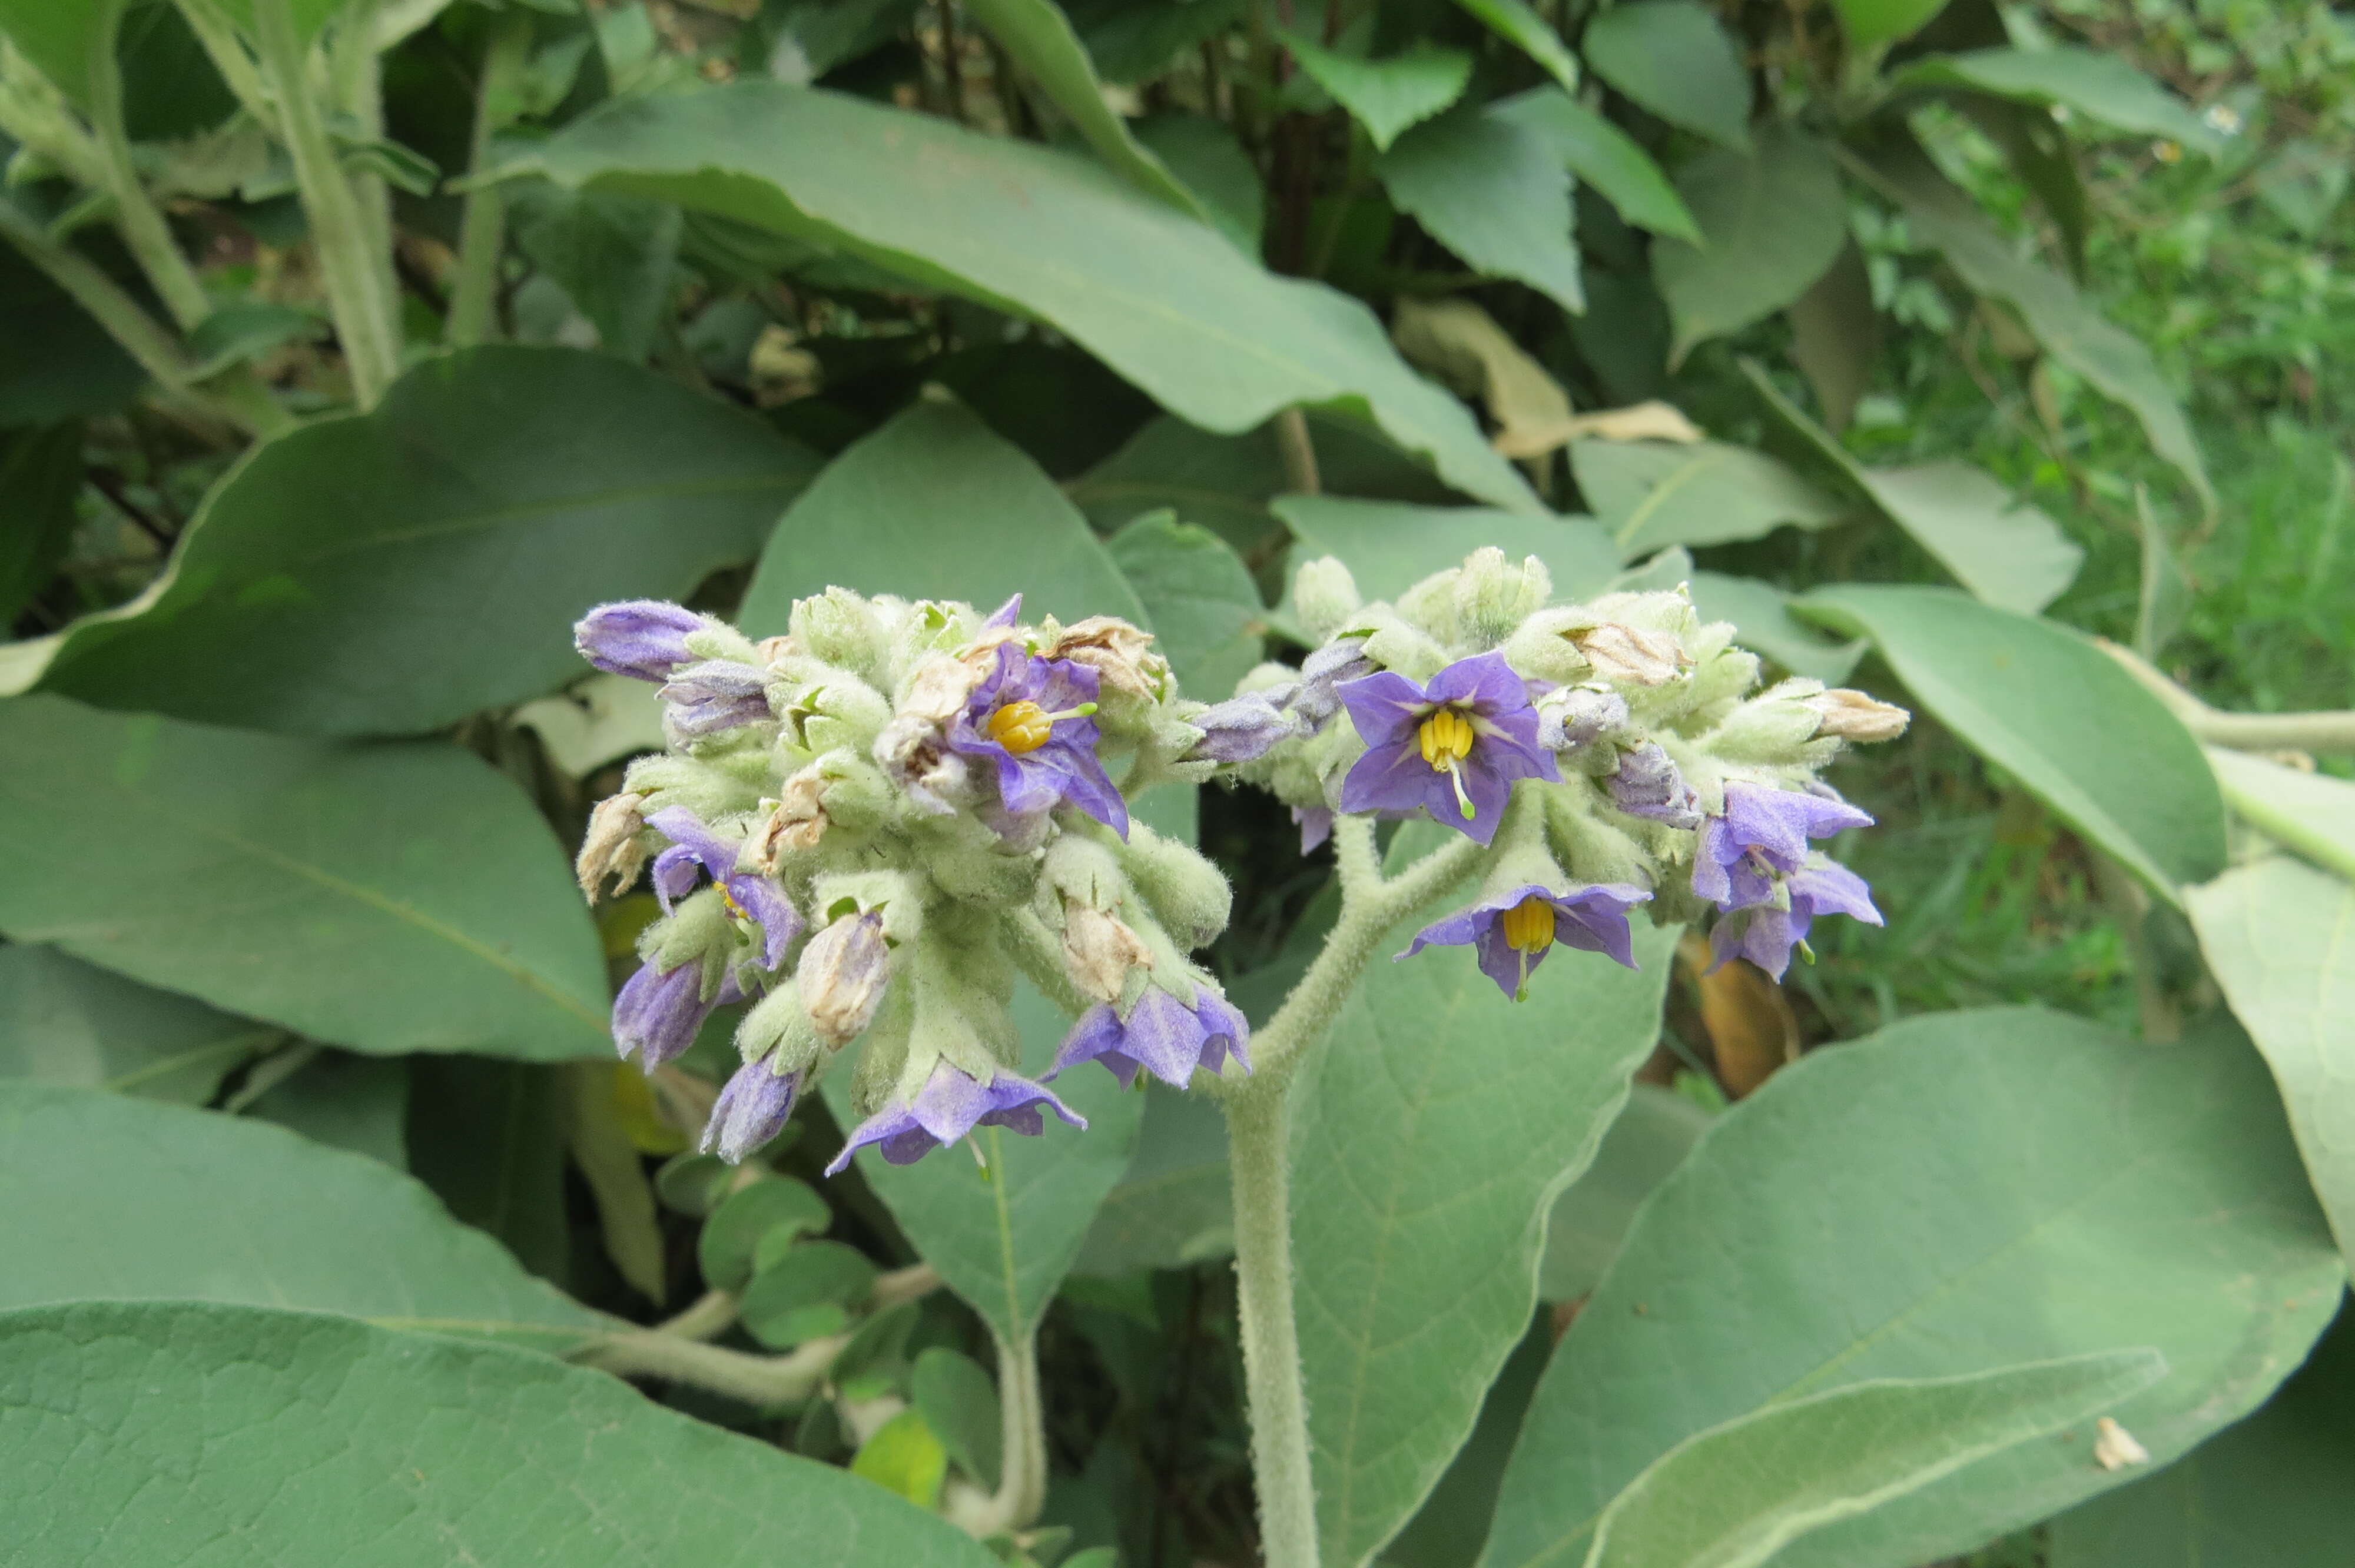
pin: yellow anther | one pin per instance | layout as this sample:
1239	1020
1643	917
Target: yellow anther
729	899
1528	925
1446	738
1020	727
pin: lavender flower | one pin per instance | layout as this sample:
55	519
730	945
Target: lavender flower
1762	835
658	1012
952	1104
1513	931
1161	1034
717	694
1029	717
1648	785
1321	677
1316	825
1767	934
695	851
643	638
1242	729
752	1107
1453	748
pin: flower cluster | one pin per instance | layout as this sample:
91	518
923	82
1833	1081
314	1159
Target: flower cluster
1608	756
865	827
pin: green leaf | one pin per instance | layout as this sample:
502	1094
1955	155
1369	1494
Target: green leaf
2276	934
1422	1177
394	571
1763	624
602	720
2164	599
1656	494
358	1103
1733	1496
2004	550
613	256
1672	57
937	506
1002	1240
960	1405
1450	1528
1162	299
1836	336
161	1431
1960	1192
751	1215
2271	1492
2044	703
2102	86
1495	194
1604	157
903	1456
1389	547
56	362
488	1138
1132	41
1175	1204
1771	222
2312	813
807	1293
63	1021
1205	156
1871	22
1386	96
61	38
598	1136
390	899
1040	40
1206	613
1517	25
248	329
1648	1138
136	1201
40	478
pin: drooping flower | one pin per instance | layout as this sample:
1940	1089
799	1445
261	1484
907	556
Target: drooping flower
696	851
952	1104
1648	784
842	974
642	638
1029	717
714	695
1767	934
1451	748
1760	836
1322	675
1161	1034
1513	931
752	1107
1245	728
658	1012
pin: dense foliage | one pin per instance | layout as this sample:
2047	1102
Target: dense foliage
1459	476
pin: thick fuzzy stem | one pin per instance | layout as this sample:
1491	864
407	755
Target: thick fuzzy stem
483	230
1022	1413
1259	1130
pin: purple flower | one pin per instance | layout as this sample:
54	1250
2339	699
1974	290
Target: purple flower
1030	718
658	1013
717	694
645	637
1648	785
1767	934
1241	729
1003	618
1162	1034
1763	834
952	1104
1316	825
1582	717
1513	932
752	1108
695	851
1451	748
1321	675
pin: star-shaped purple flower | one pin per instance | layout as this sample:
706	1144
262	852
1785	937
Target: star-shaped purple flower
1029	717
642	638
752	1107
952	1104
1767	935
1162	1035
696	851
1514	931
659	1011
1762	835
1451	748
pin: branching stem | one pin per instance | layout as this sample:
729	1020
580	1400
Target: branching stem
483	229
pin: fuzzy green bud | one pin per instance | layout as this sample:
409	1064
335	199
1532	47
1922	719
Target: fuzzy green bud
1324	597
778	1028
1185	892
841	627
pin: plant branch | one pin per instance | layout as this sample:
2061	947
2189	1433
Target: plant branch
1298	452
757	1380
136	215
708	1317
218	35
1259	1134
145	339
1022	1417
483	230
2332	732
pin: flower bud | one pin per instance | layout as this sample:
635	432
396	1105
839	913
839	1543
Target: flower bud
714	695
752	1107
1493	596
1324	596
1850	714
939	690
644	638
794	824
1099	952
1574	718
1186	893
1633	655
1321	675
842	974
841	627
611	847
1646	784
1240	729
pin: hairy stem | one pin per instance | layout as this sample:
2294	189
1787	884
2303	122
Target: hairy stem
136	216
2332	732
483	230
218	35
146	340
1259	1130
1022	1417
1298	452
756	1380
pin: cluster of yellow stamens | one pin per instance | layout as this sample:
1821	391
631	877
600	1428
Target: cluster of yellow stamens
1446	736
1023	727
1528	925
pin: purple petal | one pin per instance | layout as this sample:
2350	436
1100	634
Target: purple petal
1595	920
1393	777
1097	1033
1501	962
769	907
1385	706
1164	1034
1015	1101
752	1108
1827	887
676	872
643	638
1242	729
716	696
1004	616
949	1104
1485	682
658	1013
1225	1032
1315	824
685	830
1764	936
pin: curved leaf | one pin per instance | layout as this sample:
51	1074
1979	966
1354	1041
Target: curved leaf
2103	86
1655	493
65	1021
1673	57
1649	1138
1517	25
1771	222
1603	156
1389	546
1494	193
1871	22
1386	96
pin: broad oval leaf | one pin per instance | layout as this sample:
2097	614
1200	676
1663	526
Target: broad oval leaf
160	1432
1604	157
1386	96
2043	703
1175	1204
1870	22
1389	547
390	899
1673	57
935	504
2102	86
1771	220
1514	22
1493	192
132	1200
391	572
1651	494
1733	1496
1649	1138
1205	611
66	1021
1162	299
1962	1191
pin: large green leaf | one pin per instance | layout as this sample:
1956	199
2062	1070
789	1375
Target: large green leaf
394	571
1495	193
1175	1204
1206	612
2280	938
390	899
1160	298
1733	1496
1771	221
1004	1238
1514	22
2275	1492
1603	156
176	1435
131	1200
1655	493
61	38
65	1021
40	479
2050	708
2099	84
1649	1138
1672	57
1386	96
1763	624
1389	548
1429	1145
1871	22
613	256
1960	1192
937	506
56	362
2312	813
